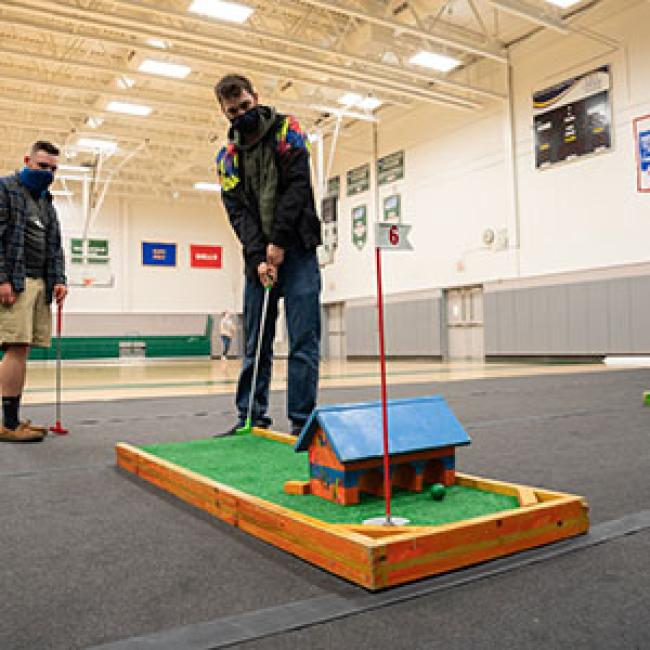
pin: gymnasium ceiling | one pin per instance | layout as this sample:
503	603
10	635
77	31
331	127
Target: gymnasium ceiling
64	61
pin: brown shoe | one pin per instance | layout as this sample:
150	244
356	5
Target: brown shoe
22	433
35	427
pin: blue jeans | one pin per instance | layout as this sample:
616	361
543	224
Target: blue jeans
299	284
225	341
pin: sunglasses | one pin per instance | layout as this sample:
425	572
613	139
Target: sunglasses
45	166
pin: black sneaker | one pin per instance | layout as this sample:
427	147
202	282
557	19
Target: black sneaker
296	428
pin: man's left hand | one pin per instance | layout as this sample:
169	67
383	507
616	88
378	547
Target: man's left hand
274	255
60	292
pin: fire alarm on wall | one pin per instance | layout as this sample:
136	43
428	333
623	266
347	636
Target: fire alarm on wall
488	237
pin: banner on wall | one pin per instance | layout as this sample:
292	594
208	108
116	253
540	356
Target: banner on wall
390	168
359	226
393	208
358	180
158	254
573	118
205	257
642	146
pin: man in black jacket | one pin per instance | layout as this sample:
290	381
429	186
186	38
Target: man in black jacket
266	189
31	275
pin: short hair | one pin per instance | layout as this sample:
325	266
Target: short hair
44	145
232	86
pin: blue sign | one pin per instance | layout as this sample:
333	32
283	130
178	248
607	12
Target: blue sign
644	151
158	254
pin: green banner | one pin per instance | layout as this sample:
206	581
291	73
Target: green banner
390	168
358	180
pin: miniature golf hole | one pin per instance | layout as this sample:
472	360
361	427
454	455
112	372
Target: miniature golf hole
559	524
499	523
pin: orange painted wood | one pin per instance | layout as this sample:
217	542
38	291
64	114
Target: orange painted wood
374	557
297	487
477	541
321	452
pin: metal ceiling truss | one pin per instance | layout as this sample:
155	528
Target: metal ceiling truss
65	58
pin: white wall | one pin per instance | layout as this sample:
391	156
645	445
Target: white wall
458	181
140	288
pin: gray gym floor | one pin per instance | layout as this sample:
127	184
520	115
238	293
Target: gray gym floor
92	556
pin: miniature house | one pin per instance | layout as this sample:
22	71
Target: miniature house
345	447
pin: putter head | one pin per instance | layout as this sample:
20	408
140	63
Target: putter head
247	428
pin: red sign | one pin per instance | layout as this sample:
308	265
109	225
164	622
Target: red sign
206	257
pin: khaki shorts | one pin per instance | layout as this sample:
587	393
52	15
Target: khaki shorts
29	320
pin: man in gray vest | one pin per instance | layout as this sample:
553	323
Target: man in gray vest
31	275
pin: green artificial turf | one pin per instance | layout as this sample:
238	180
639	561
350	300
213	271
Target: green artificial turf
260	467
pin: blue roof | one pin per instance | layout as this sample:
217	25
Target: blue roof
355	430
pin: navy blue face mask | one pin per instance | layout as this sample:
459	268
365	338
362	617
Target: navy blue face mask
248	122
36	180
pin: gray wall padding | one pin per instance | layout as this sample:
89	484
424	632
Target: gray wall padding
116	324
600	317
412	328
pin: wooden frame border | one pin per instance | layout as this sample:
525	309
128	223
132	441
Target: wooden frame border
373	556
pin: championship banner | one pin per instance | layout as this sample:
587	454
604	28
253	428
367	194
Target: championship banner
358	180
642	145
158	254
573	118
359	226
205	257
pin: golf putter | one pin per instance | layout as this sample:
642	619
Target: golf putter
248	426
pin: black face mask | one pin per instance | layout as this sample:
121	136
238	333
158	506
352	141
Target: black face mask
248	122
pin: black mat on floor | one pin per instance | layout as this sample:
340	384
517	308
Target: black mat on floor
93	556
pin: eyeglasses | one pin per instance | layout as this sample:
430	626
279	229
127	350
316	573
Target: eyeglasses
45	166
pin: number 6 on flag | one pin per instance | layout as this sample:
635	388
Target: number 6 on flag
391	236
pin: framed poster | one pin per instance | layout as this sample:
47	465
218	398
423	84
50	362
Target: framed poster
390	168
573	118
205	257
642	148
158	254
358	180
393	208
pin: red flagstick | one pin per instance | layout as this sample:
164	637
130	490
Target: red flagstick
58	428
382	357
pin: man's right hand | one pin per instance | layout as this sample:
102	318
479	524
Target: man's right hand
267	273
7	295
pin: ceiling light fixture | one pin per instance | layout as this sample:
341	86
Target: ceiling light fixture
61	193
231	11
353	100
128	109
203	186
174	70
440	62
74	168
563	3
158	42
103	146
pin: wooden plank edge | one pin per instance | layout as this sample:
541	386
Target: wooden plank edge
277	436
125	450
